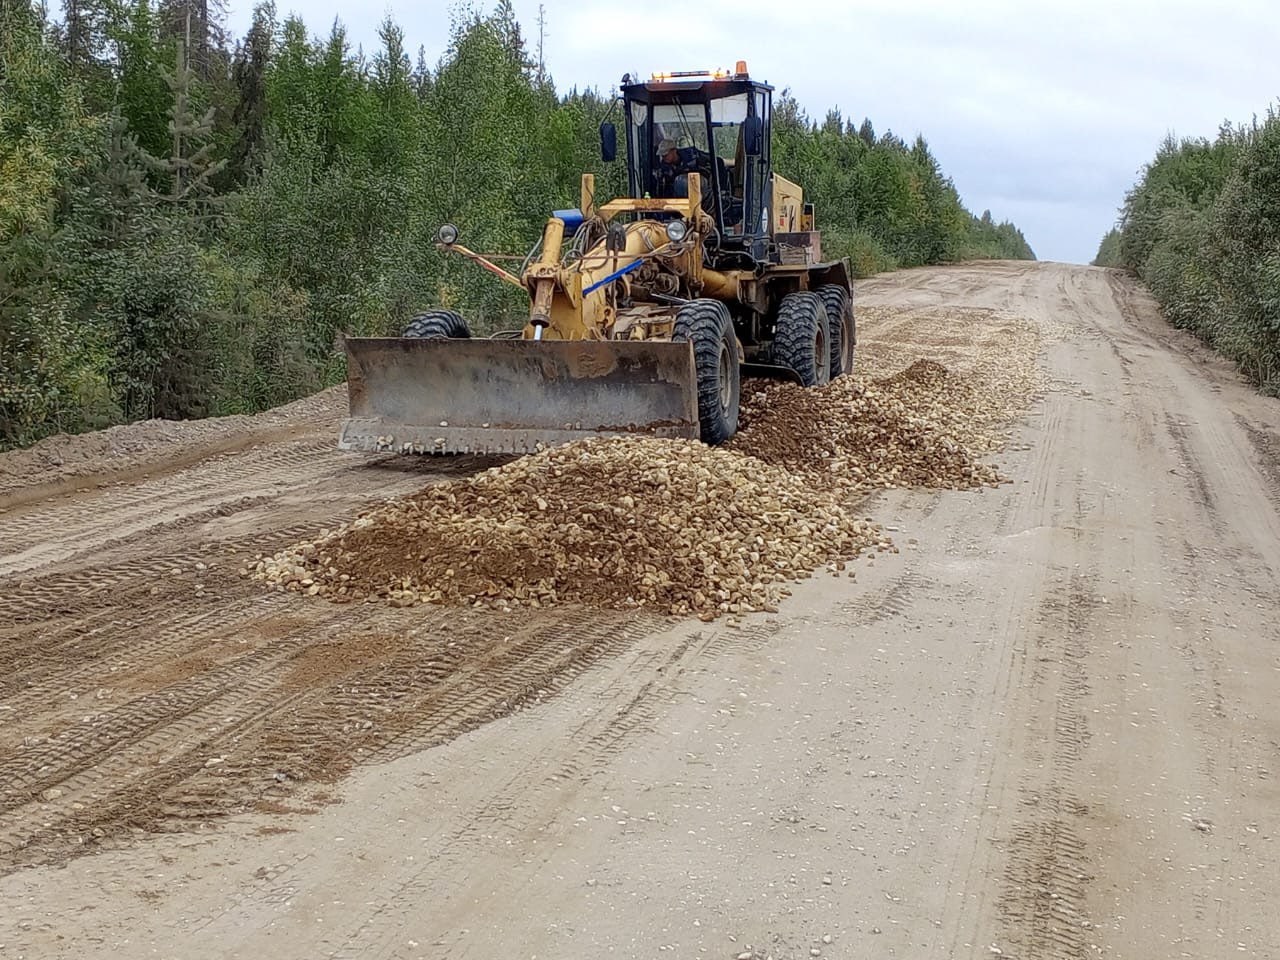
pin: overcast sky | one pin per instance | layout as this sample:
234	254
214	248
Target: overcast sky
1041	112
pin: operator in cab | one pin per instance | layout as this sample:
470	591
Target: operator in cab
672	168
675	163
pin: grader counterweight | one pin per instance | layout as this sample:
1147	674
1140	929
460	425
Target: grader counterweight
644	311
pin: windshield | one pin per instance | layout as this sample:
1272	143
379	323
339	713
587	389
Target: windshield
685	124
669	140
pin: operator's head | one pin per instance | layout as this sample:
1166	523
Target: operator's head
667	152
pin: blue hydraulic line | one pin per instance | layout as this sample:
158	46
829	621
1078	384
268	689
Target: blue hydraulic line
613	276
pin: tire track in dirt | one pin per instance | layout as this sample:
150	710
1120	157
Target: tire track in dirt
533	774
1025	855
637	694
1043	900
59	532
647	661
140	578
104	774
885	602
974	910
119	653
48	598
153	689
199	738
522	671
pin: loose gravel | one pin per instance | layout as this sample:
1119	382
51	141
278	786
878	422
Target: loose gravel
670	524
675	525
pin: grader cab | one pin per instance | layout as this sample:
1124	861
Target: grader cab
644	311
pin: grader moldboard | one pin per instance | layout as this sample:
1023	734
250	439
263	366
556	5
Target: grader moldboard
645	311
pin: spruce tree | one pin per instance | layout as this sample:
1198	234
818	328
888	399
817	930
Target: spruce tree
190	165
249	75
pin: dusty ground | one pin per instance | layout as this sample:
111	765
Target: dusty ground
1046	729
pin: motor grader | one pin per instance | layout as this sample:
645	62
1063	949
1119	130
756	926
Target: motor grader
645	311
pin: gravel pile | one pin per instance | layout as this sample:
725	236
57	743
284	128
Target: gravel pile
668	524
683	528
922	427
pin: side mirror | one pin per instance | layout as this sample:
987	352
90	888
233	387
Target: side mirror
608	142
753	136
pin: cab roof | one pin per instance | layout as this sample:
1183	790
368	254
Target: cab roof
691	84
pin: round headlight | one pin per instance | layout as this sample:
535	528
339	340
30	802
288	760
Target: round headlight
447	234
677	230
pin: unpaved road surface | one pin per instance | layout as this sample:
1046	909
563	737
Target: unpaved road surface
1047	728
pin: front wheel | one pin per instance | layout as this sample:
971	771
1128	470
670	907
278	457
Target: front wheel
437	325
800	338
707	325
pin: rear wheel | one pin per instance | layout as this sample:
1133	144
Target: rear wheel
707	325
840	327
438	325
800	338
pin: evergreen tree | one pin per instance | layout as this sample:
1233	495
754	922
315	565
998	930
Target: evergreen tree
1109	250
190	166
249	74
420	79
84	37
397	104
142	94
199	26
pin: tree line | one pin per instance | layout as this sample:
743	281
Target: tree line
188	223
1201	228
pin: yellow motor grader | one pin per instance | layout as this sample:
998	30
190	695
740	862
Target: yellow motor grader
644	311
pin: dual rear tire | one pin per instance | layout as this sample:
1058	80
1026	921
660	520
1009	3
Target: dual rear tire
842	332
800	338
814	334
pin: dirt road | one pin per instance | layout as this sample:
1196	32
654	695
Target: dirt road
1047	728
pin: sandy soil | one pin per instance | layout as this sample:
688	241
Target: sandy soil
1046	729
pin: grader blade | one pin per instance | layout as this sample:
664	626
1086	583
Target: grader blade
410	395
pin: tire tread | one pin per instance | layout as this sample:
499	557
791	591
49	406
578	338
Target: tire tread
837	299
437	325
794	331
706	323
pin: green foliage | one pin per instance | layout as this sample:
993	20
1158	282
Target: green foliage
45	132
142	94
190	166
1109	249
1244	257
259	337
879	202
1185	174
51	373
188	229
989	240
1202	229
249	74
132	274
